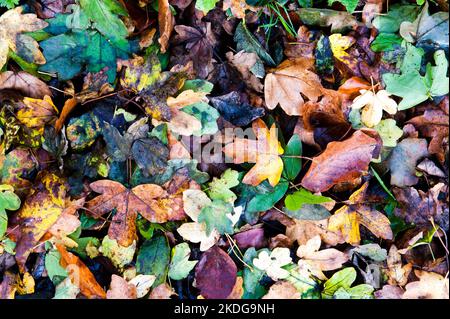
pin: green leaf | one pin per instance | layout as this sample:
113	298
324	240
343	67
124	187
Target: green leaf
390	22
219	188
292	165
350	5
295	200
308	212
411	85
215	217
153	258
55	271
263	202
385	42
9	4
180	266
342	279
205	5
197	85
8	201
252	277
389	132
104	15
247	42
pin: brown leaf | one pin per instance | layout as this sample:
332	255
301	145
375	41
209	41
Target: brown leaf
429	286
243	62
434	124
282	290
149	200
340	162
304	230
389	292
121	289
27	84
238	289
397	272
286	84
215	274
80	275
166	22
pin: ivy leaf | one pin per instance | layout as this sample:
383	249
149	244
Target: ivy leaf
180	266
295	200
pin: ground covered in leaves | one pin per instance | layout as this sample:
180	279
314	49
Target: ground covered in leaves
237	149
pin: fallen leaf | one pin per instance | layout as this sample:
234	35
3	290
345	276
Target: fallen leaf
397	272
429	286
286	84
332	166
121	289
264	152
80	275
282	290
215	274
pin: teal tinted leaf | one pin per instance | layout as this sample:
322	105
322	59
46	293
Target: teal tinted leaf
324	56
206	114
263	202
292	165
197	85
153	258
55	271
295	200
215	217
219	188
252	277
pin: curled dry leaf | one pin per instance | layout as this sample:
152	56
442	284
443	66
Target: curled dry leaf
166	22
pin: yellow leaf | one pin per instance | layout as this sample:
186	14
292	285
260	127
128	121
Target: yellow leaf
264	152
373	105
36	112
339	44
348	218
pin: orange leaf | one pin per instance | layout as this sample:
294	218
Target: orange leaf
80	275
166	22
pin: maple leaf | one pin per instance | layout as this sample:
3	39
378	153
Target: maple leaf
373	106
348	218
264	152
429	286
396	271
286	84
333	165
149	200
13	25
